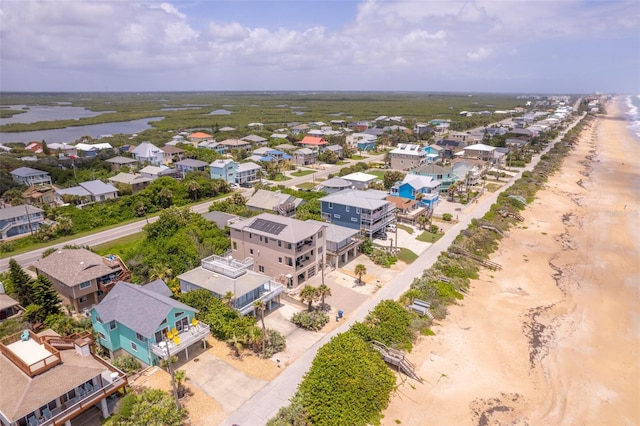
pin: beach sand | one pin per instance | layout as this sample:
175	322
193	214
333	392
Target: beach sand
554	337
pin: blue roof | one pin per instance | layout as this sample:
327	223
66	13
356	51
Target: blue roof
266	159
286	157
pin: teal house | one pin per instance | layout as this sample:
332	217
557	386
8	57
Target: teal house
442	174
146	322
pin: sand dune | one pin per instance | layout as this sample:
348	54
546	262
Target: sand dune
554	337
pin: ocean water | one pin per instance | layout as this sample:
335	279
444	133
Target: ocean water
633	114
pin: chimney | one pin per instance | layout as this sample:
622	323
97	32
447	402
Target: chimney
82	346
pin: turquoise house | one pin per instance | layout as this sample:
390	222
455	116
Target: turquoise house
442	174
144	321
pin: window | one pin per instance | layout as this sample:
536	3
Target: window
279	260
113	325
320	234
354	219
337	216
260	238
98	319
279	243
250	235
289	246
178	314
235	245
250	251
261	268
85	284
330	205
358	210
141	337
134	346
83	299
164	321
347	208
102	336
319	250
289	261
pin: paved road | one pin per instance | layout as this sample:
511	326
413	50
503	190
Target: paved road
266	403
28	258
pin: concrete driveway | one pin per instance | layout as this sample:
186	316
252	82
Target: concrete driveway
227	385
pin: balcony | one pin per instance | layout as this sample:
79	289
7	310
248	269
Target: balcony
303	245
32	355
227	266
109	382
186	337
268	292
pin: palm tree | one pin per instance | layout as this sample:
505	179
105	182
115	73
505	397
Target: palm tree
236	344
228	299
181	377
323	291
193	187
360	270
259	306
422	221
309	294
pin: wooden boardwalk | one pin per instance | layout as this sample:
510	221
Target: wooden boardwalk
398	359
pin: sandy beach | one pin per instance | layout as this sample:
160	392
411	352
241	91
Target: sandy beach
554	337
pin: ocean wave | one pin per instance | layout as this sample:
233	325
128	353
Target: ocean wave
633	114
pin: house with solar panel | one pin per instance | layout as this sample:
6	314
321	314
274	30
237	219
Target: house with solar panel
146	322
290	250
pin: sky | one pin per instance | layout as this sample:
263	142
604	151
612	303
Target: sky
509	46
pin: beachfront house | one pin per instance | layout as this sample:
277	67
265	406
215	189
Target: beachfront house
424	189
288	249
146	322
49	380
223	275
366	211
360	180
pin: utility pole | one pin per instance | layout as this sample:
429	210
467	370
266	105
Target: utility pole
26	209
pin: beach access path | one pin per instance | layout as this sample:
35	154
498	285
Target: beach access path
266	402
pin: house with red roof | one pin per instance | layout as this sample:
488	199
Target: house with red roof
312	142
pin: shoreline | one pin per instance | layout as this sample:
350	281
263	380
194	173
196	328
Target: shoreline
553	337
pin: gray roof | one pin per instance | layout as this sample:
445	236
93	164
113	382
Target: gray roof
74	266
295	230
121	160
336	183
74	190
146	150
336	233
421	181
369	200
129	178
160	287
304	151
221	219
219	164
432	169
221	284
139	308
27	171
17	211
254	138
98	187
243	167
268	200
191	162
6	301
333	148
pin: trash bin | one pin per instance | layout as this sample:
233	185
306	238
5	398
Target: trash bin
339	316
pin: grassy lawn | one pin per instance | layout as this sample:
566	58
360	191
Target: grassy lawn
378	173
358	157
492	187
280	178
119	246
405	228
407	256
306	185
428	237
305	172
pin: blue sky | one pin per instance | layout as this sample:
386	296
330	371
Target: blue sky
516	46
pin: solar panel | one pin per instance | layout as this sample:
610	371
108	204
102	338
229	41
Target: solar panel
267	226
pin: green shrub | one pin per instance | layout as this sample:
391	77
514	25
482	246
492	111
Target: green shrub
127	363
382	257
347	384
313	320
276	343
293	414
389	323
447	217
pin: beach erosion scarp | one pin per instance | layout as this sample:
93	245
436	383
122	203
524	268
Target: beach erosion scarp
553	337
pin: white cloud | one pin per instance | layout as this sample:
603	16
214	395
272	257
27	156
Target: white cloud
479	54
